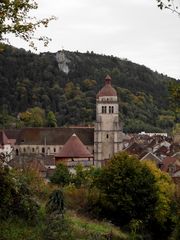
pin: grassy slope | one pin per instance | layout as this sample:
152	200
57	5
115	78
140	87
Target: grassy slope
83	229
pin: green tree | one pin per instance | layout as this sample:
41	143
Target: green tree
174	99
55	203
176	232
61	175
15	18
134	190
16	197
51	119
80	176
33	117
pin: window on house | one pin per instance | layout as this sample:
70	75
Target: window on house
54	149
32	149
107	136
43	150
24	149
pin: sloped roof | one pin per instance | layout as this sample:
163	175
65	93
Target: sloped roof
3	138
107	90
151	156
136	148
12	133
161	150
54	136
74	148
168	161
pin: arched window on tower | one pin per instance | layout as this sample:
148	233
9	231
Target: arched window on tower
111	109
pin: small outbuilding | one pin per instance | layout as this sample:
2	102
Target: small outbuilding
74	152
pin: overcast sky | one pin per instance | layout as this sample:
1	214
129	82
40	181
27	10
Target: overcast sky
132	29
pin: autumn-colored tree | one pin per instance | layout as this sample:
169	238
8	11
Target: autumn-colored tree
15	18
165	192
33	117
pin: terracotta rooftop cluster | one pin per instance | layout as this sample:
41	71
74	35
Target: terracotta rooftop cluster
160	149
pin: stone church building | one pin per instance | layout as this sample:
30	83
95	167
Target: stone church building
92	145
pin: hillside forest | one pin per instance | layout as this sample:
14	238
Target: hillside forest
59	89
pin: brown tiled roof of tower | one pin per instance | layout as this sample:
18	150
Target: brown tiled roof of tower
107	90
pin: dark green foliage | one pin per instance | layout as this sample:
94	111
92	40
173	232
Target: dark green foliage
57	228
16	197
61	175
80	177
137	195
55	204
51	119
176	233
128	190
174	89
35	80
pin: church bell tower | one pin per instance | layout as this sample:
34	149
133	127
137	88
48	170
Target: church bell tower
108	133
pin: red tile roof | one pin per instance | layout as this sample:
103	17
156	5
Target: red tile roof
167	162
107	90
74	148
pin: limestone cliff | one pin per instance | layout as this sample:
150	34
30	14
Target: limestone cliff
62	62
